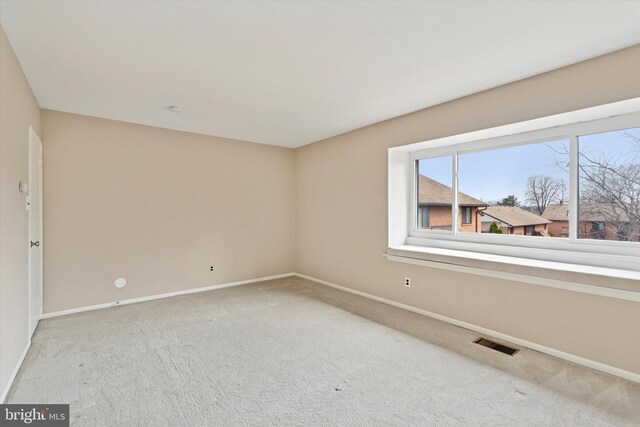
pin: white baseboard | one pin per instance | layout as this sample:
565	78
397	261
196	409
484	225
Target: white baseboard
7	387
533	346
160	296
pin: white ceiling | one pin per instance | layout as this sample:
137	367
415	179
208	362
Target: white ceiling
289	73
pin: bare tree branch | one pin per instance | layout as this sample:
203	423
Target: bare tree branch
610	187
544	190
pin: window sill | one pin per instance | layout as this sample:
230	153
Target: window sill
623	284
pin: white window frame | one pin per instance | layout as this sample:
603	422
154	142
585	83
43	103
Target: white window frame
403	230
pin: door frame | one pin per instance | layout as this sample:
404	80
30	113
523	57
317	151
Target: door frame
33	135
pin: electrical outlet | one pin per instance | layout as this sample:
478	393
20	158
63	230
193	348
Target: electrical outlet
211	268
407	282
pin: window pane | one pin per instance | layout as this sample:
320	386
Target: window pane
466	215
434	193
609	201
423	216
518	190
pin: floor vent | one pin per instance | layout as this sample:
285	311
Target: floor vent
497	347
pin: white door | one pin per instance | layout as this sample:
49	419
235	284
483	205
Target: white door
35	229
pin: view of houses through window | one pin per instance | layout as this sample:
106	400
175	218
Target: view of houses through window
435	195
609	183
524	190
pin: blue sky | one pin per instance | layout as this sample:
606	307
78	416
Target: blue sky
492	175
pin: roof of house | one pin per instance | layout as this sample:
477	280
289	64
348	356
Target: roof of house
431	192
514	216
588	212
556	212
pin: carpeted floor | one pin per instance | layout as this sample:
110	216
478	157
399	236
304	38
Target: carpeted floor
293	352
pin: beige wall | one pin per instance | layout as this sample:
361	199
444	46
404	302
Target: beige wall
158	207
341	206
18	110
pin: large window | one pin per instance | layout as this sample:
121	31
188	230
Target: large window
567	192
523	188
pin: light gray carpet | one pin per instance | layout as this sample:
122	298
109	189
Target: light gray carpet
292	352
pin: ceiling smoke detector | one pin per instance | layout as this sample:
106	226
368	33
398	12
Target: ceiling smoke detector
175	109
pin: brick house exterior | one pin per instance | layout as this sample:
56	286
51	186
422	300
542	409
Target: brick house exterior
515	220
434	207
593	223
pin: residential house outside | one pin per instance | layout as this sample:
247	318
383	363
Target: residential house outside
558	214
514	220
476	216
595	222
434	207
